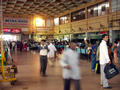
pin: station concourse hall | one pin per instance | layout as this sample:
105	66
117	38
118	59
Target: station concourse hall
29	78
59	44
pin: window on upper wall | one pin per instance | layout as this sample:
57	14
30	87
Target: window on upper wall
56	21
48	22
65	19
98	10
78	15
62	20
92	11
103	8
115	5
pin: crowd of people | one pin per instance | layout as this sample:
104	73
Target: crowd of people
101	52
98	52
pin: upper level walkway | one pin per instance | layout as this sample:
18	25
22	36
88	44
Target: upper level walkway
29	77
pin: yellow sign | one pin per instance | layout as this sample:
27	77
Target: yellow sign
105	29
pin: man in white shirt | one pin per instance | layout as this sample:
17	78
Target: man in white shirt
51	53
104	59
43	50
71	69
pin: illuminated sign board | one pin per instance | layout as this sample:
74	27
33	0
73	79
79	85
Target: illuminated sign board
14	30
6	30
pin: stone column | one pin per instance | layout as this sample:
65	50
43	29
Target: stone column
87	35
112	36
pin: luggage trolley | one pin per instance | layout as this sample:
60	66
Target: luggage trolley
7	72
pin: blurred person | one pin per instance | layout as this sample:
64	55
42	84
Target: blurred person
104	59
118	52
13	45
43	50
93	56
25	46
118	55
97	68
71	69
115	52
51	53
21	46
89	51
110	52
10	44
10	60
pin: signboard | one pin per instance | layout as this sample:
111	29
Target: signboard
42	29
104	32
24	29
12	31
15	30
8	21
7	30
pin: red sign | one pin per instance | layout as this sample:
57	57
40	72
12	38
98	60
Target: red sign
16	30
104	32
6	30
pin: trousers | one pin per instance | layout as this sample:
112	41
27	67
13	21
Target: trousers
43	63
67	83
104	81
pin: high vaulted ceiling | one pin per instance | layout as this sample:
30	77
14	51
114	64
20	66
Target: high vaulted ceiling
43	7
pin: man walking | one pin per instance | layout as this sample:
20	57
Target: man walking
52	53
43	49
71	69
104	59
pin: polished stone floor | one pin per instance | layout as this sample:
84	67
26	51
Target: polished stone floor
29	77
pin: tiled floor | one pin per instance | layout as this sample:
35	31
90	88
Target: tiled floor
29	77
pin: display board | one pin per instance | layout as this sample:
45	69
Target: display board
42	29
12	31
8	21
24	29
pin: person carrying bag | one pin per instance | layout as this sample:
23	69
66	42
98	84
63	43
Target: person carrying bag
110	71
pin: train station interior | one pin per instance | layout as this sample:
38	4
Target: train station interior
26	24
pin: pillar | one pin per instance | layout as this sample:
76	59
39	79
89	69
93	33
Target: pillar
87	35
112	36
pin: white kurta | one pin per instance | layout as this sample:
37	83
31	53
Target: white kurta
104	57
52	50
71	58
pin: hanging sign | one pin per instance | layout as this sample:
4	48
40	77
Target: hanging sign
9	21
